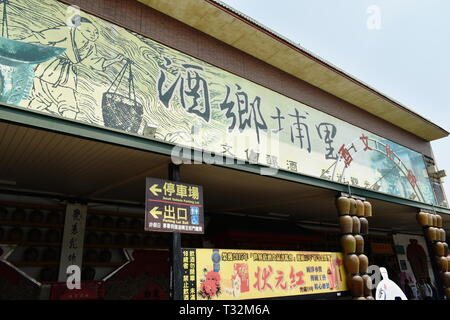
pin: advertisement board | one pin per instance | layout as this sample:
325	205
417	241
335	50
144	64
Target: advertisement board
74	65
228	274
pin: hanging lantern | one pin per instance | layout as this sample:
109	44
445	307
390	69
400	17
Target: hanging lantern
357	289
359	244
422	218
352	206
351	262
346	224
364	226
367	209
348	243
359	208
343	204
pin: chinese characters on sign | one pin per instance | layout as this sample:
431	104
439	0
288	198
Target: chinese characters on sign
173	206
225	274
73	238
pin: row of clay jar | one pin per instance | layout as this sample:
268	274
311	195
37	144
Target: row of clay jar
353	207
435	234
426	219
443	263
353	225
360	286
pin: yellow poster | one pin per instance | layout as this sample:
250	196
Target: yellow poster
227	274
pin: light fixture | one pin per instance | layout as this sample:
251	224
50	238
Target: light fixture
150	131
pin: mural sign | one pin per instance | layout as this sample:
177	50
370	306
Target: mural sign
80	67
173	206
227	274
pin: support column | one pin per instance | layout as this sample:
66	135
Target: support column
176	267
353	223
435	236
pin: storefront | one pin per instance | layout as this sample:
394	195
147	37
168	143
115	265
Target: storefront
96	99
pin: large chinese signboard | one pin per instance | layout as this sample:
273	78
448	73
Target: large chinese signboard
227	274
98	73
173	206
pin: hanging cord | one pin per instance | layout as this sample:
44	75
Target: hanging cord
5	20
119	75
349	190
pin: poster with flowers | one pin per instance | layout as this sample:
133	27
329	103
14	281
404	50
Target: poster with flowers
227	274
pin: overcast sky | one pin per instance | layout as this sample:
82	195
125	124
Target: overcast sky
404	54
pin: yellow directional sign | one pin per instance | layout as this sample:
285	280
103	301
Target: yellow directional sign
155	212
155	190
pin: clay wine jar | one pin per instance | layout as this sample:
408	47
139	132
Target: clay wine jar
445	248
431	233
359	208
439	221
351	262
447	292
356	225
442	263
30	254
439	248
367	285
346	224
352	206
93	221
364	226
87	273
442	234
422	218
358	298
120	239
430	220
121	223
92	238
134	240
348	243
54	217
52	236
34	235
36	216
446	279
15	235
363	263
357	288
107	222
343	205
367	209
359	244
2	232
106	238
3	214
370	298
105	256
19	215
50	254
434	219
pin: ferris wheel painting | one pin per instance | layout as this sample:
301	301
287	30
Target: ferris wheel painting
394	169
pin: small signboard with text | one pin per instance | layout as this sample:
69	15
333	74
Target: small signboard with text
173	206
